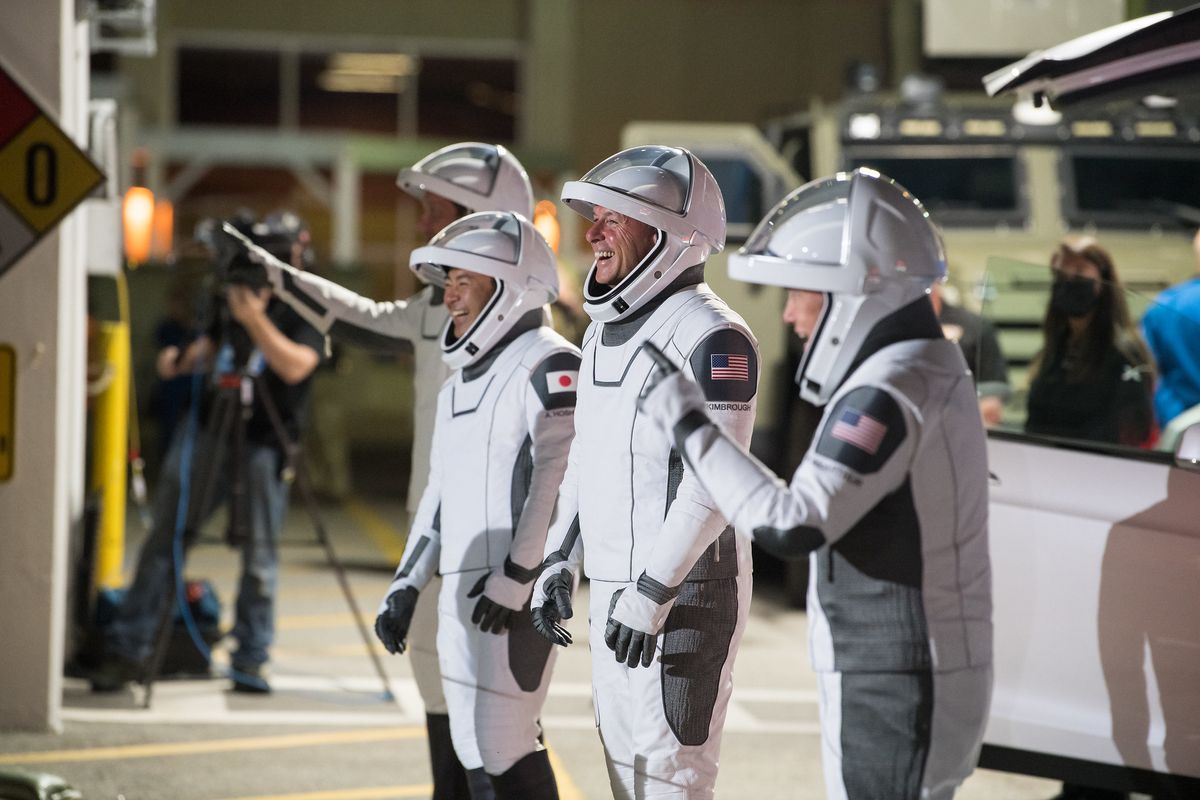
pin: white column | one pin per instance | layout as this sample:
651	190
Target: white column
42	311
347	210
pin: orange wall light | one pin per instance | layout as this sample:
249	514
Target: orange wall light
162	239
545	219
137	216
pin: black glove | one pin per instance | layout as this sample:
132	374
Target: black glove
554	593
631	641
391	626
490	616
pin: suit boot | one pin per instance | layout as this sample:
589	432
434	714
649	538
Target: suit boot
531	778
449	777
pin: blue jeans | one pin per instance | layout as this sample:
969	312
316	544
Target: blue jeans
132	632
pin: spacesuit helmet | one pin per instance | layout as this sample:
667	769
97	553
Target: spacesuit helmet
861	240
506	247
478	177
667	188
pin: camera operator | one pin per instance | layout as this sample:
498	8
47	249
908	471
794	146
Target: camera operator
253	335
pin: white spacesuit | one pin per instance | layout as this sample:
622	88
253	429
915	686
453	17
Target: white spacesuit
474	177
670	583
503	429
891	499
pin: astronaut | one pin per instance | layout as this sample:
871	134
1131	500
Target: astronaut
449	183
670	583
503	428
890	501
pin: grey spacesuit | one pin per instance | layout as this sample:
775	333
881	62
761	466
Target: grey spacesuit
891	499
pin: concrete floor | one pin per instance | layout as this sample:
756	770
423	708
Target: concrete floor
327	733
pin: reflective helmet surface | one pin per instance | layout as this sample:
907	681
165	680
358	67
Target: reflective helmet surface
479	177
859	238
506	247
667	188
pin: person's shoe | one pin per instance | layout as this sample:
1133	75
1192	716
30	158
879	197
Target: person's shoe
250	678
114	673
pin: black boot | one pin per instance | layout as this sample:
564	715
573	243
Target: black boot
531	778
449	777
481	785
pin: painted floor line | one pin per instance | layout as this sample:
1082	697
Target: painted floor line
169	749
387	537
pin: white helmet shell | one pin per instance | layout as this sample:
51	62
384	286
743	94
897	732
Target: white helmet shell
859	238
479	177
503	246
667	188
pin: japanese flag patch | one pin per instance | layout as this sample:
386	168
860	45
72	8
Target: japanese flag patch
556	380
564	380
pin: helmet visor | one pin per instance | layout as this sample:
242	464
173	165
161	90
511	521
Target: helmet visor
488	242
808	226
804	243
660	176
472	167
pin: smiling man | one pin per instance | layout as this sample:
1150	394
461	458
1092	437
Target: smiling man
500	442
670	583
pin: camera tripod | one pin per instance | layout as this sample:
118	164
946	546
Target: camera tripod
237	391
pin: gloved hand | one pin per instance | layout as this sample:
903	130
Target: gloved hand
634	621
669	395
273	266
499	598
391	626
551	604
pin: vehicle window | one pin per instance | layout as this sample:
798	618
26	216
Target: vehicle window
742	188
1130	187
959	186
1078	381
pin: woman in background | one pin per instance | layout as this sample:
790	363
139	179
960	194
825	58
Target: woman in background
1093	378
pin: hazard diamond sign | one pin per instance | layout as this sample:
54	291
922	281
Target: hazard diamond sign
43	174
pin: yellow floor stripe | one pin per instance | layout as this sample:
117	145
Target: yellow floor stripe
387	537
369	793
214	746
567	790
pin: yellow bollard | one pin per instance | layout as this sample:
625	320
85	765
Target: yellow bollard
110	438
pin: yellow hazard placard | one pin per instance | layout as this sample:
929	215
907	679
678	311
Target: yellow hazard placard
43	174
8	403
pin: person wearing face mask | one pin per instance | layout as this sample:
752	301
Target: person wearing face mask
1093	378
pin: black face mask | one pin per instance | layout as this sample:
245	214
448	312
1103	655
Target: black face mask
1075	297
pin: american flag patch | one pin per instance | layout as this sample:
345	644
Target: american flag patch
728	367
859	429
